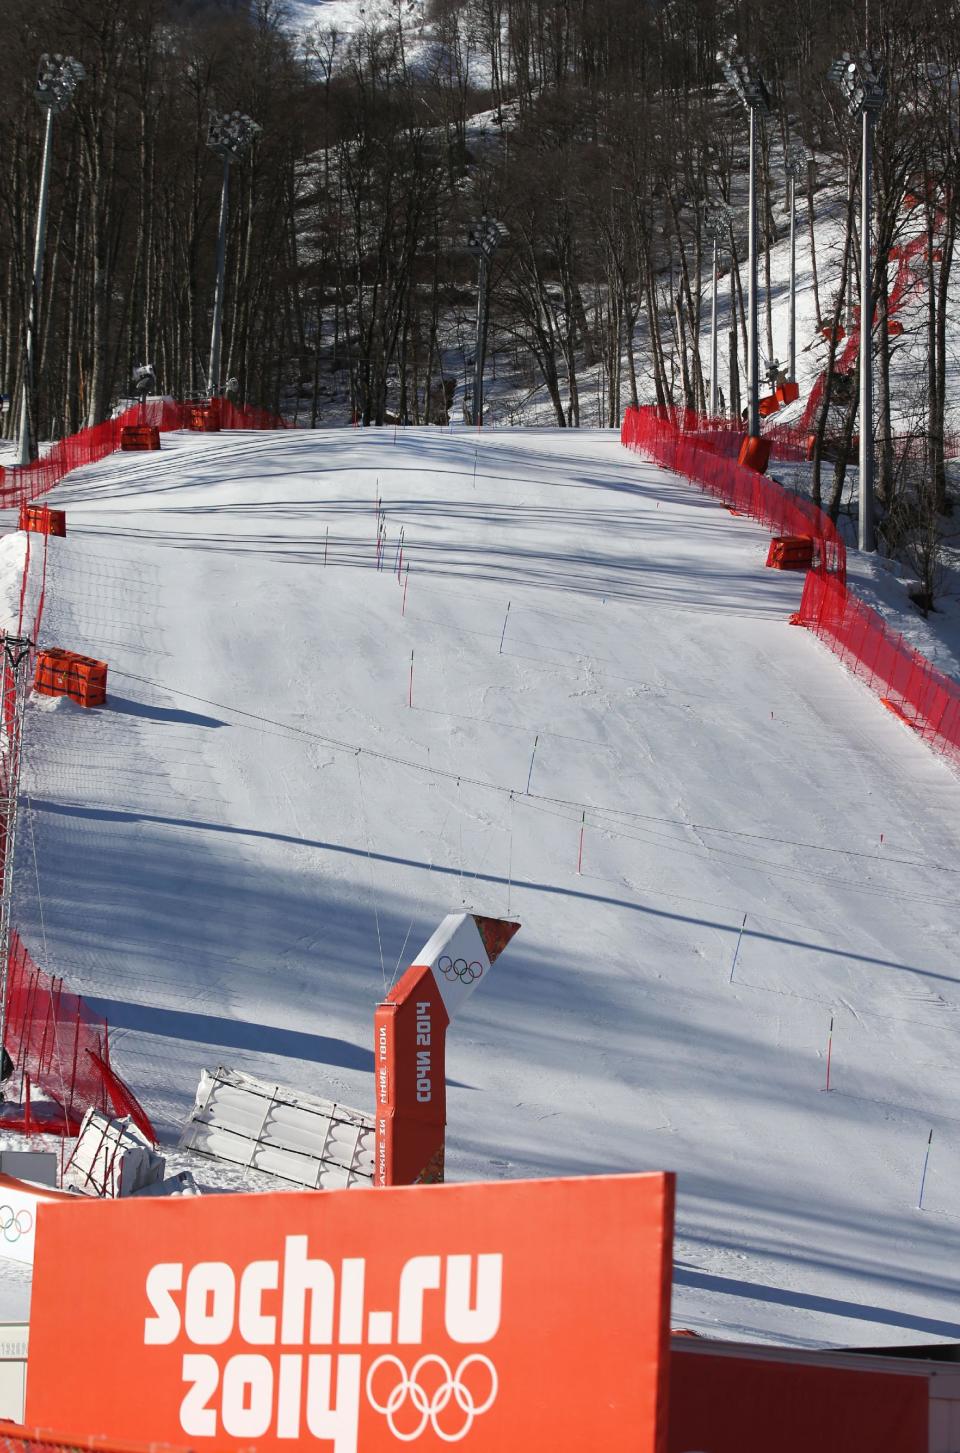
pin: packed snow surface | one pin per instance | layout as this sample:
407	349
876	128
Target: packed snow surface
251	841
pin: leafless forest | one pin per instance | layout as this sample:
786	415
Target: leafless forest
608	134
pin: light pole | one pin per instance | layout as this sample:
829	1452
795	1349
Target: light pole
797	162
745	79
229	136
483	239
861	83
717	225
15	672
57	78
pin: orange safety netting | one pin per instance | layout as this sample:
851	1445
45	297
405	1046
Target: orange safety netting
667	436
16	1439
907	682
59	1045
26	482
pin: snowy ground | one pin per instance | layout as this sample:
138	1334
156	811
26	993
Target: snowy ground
219	866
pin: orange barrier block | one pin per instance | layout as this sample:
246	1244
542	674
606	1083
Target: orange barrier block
139	436
43	520
790	552
65	673
204	418
768	406
755	453
787	393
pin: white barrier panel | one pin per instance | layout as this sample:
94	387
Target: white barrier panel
267	1127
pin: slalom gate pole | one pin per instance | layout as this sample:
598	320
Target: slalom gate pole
923	1178
829	1052
532	756
736	951
583	820
410	691
504	631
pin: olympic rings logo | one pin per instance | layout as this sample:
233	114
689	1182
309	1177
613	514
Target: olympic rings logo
451	1391
459	969
14	1224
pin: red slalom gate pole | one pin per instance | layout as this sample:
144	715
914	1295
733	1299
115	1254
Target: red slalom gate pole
829	1051
406	582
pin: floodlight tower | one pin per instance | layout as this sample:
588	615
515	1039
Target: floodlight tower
862	84
484	238
798	160
229	136
717	226
745	80
57	79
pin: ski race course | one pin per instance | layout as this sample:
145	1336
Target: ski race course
259	831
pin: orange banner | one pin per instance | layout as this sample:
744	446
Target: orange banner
504	1317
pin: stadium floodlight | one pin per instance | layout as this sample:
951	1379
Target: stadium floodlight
144	378
861	84
717	227
57	79
229	136
797	163
744	78
483	238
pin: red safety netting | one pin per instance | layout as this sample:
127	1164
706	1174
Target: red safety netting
17	1439
689	451
56	1042
909	280
59	1045
905	681
20	484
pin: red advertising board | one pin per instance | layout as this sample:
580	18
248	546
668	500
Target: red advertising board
503	1317
722	1404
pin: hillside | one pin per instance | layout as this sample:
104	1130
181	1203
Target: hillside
238	854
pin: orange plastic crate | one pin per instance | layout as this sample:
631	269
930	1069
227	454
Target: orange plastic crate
204	418
43	520
65	673
139	436
790	552
755	453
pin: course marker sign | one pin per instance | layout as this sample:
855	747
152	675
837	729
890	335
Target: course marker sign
500	1317
410	1032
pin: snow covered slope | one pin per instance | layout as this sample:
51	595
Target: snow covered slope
225	853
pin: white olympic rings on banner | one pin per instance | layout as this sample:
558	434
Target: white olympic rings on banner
430	1406
459	969
14	1224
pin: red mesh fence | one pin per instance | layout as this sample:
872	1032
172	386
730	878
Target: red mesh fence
920	695
59	1045
695	454
56	1042
909	280
27	482
16	1439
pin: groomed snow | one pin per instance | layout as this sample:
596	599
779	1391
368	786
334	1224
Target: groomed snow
219	867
